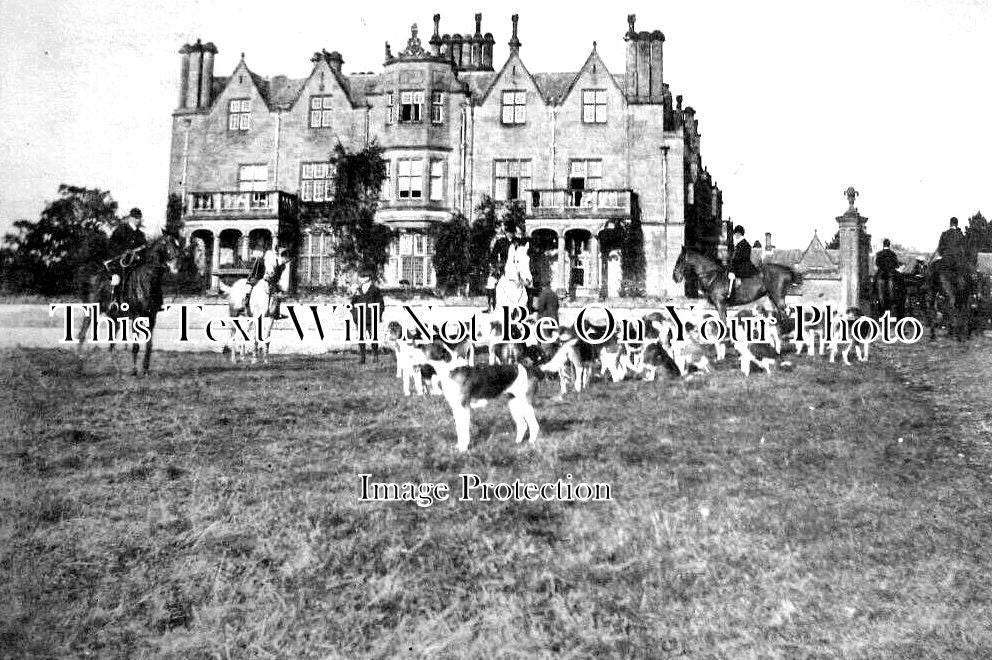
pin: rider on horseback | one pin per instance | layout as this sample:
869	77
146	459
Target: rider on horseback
886	260
126	244
741	265
951	249
266	266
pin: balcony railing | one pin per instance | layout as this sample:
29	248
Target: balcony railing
261	203
566	202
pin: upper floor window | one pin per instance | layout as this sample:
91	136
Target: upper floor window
512	178
411	106
239	115
390	108
437	107
253	177
437	180
410	178
584	175
594	106
514	107
320	111
316	182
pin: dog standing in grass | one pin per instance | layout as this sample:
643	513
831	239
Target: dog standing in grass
466	387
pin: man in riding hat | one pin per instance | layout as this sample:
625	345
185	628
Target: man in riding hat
126	244
952	249
741	265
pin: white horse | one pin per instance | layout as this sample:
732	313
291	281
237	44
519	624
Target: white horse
256	312
511	289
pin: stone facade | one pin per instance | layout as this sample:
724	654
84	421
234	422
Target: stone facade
583	151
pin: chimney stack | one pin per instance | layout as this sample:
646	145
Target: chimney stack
207	75
435	41
514	41
183	75
334	60
644	81
193	84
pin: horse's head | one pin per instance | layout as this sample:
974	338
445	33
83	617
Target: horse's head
679	273
165	252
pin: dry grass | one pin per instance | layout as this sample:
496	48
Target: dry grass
213	512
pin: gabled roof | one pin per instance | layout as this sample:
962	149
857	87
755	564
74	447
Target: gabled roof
514	57
815	256
593	60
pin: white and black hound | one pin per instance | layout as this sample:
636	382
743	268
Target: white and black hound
466	387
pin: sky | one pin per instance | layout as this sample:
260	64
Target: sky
796	100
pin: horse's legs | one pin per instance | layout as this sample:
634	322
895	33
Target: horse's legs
135	347
361	352
375	351
148	357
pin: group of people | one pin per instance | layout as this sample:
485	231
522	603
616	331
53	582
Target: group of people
951	254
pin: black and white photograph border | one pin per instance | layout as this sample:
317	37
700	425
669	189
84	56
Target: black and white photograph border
439	331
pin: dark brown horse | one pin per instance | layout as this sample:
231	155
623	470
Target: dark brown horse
141	292
773	281
890	293
949	298
366	312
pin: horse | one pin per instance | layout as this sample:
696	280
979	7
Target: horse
253	302
950	290
511	289
772	282
890	293
366	311
141	291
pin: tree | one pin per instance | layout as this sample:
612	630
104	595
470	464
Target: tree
362	243
452	253
70	237
978	236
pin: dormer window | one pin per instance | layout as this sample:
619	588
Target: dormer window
514	107
437	107
411	106
239	115
594	106
320	111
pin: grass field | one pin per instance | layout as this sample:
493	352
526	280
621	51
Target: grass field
212	512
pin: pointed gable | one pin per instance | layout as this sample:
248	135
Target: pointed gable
242	82
596	72
815	257
514	74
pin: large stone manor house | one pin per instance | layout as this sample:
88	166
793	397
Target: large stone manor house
582	150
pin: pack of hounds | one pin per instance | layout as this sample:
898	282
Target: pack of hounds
515	369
